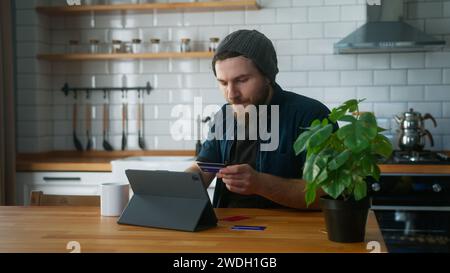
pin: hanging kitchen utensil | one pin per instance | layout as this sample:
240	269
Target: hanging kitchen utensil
124	124
106	145
76	141
140	120
90	143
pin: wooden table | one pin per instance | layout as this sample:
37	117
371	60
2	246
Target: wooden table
50	229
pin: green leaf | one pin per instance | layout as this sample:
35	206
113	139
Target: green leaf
320	136
353	138
334	189
348	118
345	178
336	114
308	168
324	122
360	190
315	123
339	160
382	146
310	195
367	125
351	105
300	143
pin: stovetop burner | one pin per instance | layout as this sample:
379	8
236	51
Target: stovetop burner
416	157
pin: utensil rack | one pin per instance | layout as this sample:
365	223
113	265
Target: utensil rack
66	89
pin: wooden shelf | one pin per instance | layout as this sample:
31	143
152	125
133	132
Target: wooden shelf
124	56
188	6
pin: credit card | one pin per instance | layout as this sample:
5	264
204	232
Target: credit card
235	218
210	167
248	228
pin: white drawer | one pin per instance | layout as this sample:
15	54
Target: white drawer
95	178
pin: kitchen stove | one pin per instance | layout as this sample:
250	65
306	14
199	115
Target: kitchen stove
418	157
413	210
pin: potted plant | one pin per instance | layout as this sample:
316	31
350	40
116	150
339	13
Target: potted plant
339	163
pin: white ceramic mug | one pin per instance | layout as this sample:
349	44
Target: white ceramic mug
113	198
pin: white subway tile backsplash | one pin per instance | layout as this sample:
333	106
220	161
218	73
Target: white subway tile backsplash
166	18
307	30
407	60
390	77
277	31
321	46
446	109
262	16
323	14
373	94
424	76
292	79
321	78
198	18
353	13
316	93
434	108
302	3
303	32
407	93
388	110
437	93
275	4
292	15
291	47
339	30
373	61
339	94
308	63
424	10
447	76
355	78
437	59
229	17
340	62
437	26
284	63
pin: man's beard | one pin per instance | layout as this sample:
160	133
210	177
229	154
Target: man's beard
247	115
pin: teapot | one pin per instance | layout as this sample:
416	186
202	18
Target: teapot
412	131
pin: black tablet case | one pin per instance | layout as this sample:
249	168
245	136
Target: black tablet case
165	199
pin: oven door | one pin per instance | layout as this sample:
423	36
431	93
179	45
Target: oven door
413	212
411	192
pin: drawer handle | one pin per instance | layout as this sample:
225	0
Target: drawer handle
55	179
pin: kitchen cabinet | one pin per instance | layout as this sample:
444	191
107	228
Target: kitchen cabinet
139	8
61	183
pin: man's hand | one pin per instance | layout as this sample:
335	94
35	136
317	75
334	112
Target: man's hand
242	179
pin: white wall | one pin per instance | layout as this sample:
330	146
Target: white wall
303	32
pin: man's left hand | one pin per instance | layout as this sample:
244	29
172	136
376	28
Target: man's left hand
242	179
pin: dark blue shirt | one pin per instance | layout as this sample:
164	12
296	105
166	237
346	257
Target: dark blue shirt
296	112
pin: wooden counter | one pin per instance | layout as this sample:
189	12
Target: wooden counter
70	161
99	161
49	229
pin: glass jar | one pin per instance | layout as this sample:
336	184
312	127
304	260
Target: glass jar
94	44
74	46
185	45
213	43
155	45
136	46
116	46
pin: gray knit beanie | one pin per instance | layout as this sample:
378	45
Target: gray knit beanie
253	45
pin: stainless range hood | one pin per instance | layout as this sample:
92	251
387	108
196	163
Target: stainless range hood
385	31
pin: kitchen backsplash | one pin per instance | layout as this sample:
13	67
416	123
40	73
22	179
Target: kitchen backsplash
303	32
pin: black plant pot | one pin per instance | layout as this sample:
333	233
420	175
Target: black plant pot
345	220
